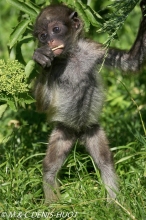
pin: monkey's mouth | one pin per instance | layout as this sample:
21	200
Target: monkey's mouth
58	50
58	47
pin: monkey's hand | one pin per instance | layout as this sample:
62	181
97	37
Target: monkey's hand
44	56
143	8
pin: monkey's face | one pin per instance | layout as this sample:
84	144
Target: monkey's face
55	35
57	27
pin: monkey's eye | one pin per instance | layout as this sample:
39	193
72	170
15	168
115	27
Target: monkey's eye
56	30
43	36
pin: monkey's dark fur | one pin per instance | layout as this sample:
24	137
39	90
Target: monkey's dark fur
69	90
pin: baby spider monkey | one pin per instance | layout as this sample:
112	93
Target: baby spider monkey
69	90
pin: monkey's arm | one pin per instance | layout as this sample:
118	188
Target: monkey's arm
132	60
44	56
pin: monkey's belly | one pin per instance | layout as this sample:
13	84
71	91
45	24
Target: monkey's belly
73	110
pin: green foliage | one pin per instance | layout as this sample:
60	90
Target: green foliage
115	19
18	32
82	192
14	88
12	78
28	8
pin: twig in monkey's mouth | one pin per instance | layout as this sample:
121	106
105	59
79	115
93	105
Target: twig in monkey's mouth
59	47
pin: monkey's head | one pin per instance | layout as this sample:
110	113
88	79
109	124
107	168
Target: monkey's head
58	25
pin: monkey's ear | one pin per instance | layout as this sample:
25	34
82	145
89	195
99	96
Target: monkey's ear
76	21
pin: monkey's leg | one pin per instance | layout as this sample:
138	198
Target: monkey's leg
60	143
97	145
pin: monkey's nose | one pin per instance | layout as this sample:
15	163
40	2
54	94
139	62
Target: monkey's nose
50	43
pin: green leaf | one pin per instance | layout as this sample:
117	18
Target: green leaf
26	98
128	157
23	7
33	6
2	109
94	18
12	105
18	31
26	39
29	68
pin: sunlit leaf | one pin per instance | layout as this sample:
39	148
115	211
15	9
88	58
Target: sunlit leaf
29	68
12	105
18	31
23	7
94	18
2	109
